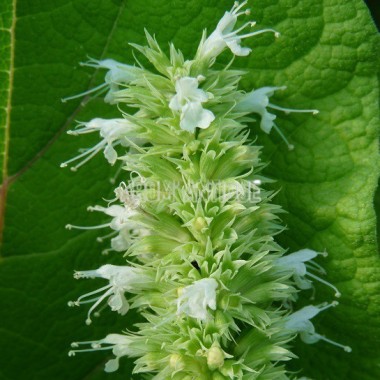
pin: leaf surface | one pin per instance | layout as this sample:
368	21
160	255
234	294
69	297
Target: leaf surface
326	57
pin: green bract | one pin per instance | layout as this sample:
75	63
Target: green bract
194	220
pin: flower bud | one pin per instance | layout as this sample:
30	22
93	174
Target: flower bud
215	358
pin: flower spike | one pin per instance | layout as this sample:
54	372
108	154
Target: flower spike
215	291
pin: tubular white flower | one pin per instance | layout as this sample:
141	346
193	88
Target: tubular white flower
257	101
120	218
299	322
112	131
188	101
118	74
124	229
301	265
224	35
121	279
119	344
194	299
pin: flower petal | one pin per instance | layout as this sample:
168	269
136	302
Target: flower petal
193	115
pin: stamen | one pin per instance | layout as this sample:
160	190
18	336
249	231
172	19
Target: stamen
92	62
73	352
88	158
260	32
79	300
324	306
241	28
278	130
105	295
98	312
71	226
237	6
90	152
105	252
77	344
88	92
118	171
82	131
314	266
289	110
100	239
242	13
337	292
345	348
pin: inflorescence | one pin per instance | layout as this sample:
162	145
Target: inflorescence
217	294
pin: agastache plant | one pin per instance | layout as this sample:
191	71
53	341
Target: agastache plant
217	294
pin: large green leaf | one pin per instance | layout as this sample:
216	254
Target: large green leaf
327	58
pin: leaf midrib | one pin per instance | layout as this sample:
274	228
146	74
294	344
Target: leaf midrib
7	181
4	186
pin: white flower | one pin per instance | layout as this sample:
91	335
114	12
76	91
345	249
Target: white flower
224	35
120	218
299	322
188	101
113	132
119	344
121	279
257	101
300	264
118	74
194	299
124	228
